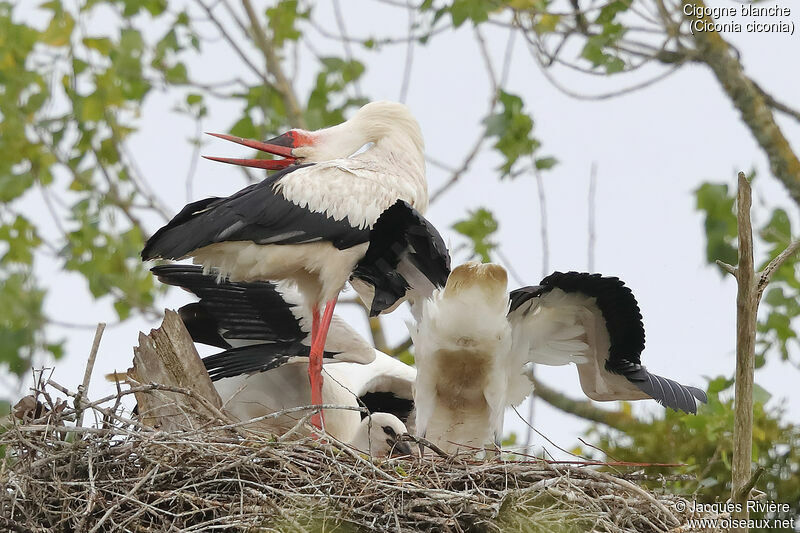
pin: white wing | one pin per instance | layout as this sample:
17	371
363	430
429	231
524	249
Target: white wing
594	322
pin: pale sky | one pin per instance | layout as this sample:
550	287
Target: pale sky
652	148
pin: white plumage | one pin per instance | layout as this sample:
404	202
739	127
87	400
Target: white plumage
249	396
462	351
306	224
263	328
476	344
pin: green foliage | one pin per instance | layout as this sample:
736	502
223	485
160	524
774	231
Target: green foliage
513	129
600	48
330	87
779	305
70	97
704	442
21	322
717	203
479	228
460	11
283	18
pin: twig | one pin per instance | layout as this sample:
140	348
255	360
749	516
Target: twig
282	83
592	209
744	492
765	275
87	373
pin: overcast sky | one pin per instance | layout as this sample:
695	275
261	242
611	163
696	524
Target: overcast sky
652	148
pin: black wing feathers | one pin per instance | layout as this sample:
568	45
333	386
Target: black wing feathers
236	310
202	327
387	402
401	234
256	213
619	309
625	331
255	358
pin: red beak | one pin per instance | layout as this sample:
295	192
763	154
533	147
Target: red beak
281	145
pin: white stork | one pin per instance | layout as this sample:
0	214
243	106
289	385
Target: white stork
264	328
475	344
308	223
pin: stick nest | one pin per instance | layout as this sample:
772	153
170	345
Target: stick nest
119	475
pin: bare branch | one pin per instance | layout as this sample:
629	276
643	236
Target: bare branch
591	217
584	409
730	269
87	373
765	275
232	42
754	108
746	311
282	83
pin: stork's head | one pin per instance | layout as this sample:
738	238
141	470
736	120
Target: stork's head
379	434
376	122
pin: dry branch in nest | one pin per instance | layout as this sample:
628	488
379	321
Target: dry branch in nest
121	474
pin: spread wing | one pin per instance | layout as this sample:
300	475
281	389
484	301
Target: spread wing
594	322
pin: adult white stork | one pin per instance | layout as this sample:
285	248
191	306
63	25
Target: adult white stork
264	328
475	343
308	223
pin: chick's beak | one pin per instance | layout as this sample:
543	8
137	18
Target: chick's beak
281	145
402	447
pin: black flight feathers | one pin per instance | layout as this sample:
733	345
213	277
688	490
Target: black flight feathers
625	331
256	213
401	235
236	313
237	310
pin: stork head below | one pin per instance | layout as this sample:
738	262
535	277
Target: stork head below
379	434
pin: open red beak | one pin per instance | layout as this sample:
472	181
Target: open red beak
281	145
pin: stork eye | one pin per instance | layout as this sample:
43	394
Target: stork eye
389	431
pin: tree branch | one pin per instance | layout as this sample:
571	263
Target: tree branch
282	83
746	310
765	275
750	101
584	409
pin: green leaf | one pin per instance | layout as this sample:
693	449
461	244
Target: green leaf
479	228
59	30
282	20
779	228
21	239
717	204
101	44
546	163
513	128
760	394
476	11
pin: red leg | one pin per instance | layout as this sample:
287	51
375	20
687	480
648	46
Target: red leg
318	338
314	369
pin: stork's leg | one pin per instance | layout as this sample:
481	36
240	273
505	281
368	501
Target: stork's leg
318	336
315	368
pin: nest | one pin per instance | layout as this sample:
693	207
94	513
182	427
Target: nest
120	475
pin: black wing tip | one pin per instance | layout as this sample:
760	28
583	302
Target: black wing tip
668	392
